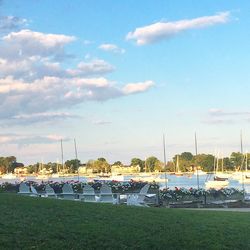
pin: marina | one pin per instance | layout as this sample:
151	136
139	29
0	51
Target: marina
173	181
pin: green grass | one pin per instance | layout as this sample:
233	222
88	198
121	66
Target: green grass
40	223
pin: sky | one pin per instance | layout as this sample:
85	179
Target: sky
117	75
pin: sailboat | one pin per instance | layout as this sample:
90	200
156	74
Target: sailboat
199	172
56	175
178	172
222	176
217	182
43	173
244	176
9	176
237	175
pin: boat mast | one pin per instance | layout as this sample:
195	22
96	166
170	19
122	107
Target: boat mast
62	157
196	153
242	173
214	163
222	163
177	164
57	167
165	165
76	159
196	150
241	145
246	161
217	164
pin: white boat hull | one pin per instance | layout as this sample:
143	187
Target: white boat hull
216	184
9	176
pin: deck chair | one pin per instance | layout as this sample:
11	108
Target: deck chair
106	195
24	189
34	192
247	194
68	192
50	192
88	194
138	199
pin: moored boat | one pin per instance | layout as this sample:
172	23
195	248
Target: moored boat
9	176
216	184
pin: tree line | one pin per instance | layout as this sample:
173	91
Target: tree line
187	162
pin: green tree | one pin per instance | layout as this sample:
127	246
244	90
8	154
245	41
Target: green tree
236	159
102	159
72	165
170	166
136	162
118	163
206	161
227	164
7	164
101	165
187	156
184	164
152	164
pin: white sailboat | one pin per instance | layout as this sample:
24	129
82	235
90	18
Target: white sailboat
57	174
9	176
178	172
43	173
221	175
199	172
217	182
156	179
244	176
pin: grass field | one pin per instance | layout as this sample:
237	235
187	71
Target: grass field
40	223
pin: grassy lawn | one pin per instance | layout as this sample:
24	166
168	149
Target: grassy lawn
40	223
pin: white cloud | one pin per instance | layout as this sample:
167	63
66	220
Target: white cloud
101	122
111	48
28	43
41	118
87	42
8	23
132	88
94	67
35	85
18	97
165	30
220	112
32	37
220	116
21	140
219	121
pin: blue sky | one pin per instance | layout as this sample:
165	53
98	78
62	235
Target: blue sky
117	75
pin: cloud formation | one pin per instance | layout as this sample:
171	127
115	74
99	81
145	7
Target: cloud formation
35	85
166	30
22	140
41	118
111	48
8	23
94	67
219	116
28	43
220	113
132	88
